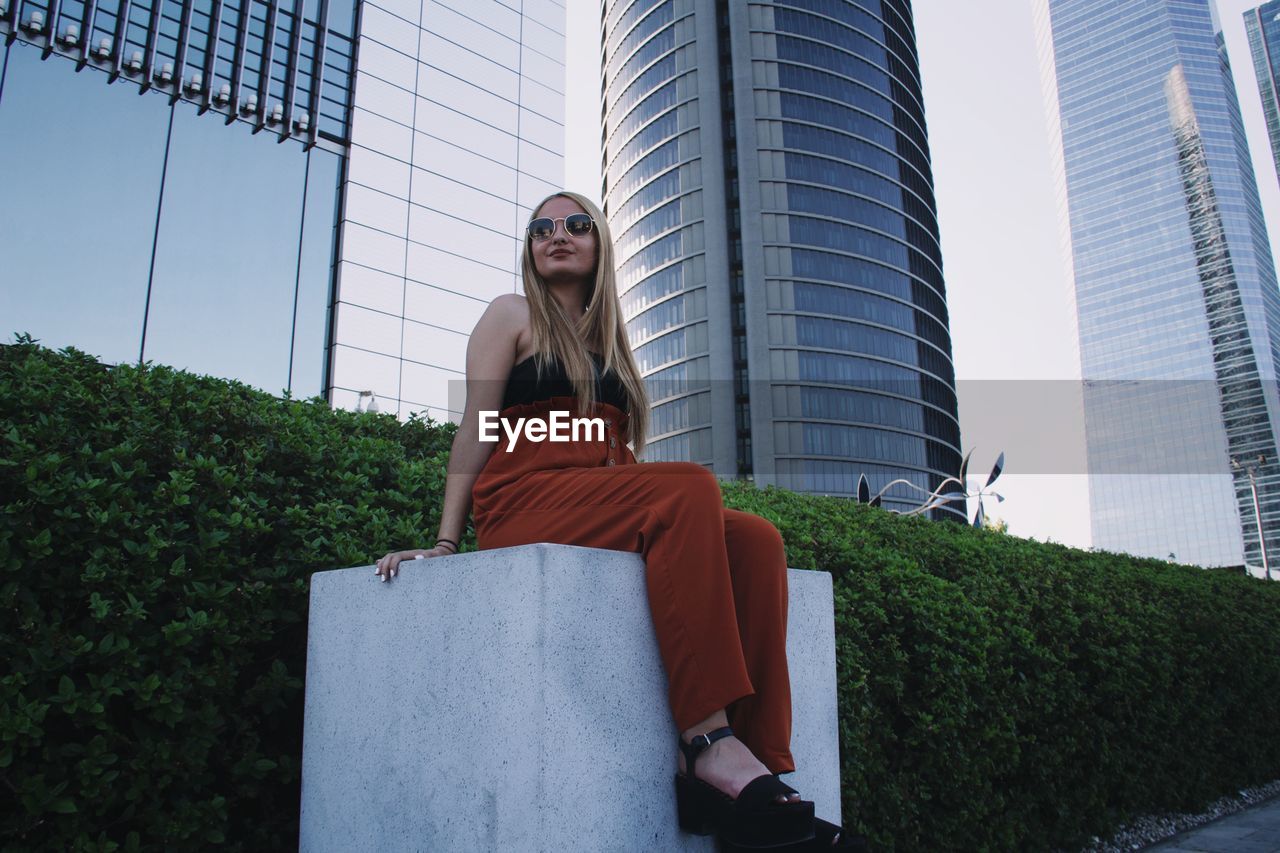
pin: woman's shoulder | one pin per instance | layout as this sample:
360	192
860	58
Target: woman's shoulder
513	304
508	309
507	314
507	320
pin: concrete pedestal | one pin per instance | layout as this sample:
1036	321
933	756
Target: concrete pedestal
515	700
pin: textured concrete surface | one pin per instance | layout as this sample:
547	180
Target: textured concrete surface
515	700
1254	830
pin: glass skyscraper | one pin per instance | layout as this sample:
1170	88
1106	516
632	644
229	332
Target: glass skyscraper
767	176
1175	288
1263	27
317	196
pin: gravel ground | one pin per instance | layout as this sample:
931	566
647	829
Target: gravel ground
1152	829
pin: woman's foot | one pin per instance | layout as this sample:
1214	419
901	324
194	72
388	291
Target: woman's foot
729	766
722	799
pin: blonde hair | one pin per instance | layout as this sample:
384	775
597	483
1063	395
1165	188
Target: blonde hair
601	328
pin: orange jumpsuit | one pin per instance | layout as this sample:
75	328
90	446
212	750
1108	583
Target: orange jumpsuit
716	577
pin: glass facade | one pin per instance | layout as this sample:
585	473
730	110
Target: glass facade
269	211
1262	25
283	66
139	228
457	131
1173	275
767	172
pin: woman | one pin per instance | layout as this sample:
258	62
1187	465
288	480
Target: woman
716	577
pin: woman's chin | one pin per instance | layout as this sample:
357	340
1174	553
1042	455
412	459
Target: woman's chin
555	274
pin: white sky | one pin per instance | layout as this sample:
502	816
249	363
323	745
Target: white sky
1007	288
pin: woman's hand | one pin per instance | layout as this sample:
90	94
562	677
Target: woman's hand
389	566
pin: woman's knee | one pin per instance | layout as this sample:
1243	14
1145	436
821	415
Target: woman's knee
690	481
754	533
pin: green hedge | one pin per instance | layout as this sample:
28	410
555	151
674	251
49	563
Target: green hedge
157	535
158	529
998	693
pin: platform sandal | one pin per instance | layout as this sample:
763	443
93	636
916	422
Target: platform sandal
752	821
826	837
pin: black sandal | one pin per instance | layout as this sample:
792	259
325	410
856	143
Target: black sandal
754	820
826	837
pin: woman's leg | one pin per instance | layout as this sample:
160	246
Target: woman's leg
758	572
671	513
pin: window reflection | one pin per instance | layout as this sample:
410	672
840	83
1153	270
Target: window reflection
315	274
79	206
240	284
226	255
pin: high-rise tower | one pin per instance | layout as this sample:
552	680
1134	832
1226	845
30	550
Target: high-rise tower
1178	312
767	176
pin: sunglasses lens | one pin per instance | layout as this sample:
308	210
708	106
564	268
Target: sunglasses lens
542	229
578	224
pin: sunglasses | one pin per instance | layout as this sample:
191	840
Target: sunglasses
575	225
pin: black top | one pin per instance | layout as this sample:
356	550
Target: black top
524	386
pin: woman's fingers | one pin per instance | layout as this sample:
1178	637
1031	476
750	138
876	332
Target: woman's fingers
388	567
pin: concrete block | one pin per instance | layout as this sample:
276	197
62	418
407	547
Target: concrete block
514	699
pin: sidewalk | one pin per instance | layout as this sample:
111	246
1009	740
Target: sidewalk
1254	830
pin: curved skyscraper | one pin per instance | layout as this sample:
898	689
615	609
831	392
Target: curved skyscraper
767	178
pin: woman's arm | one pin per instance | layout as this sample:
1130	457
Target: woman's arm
491	353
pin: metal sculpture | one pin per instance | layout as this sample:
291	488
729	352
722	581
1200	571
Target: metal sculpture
937	497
